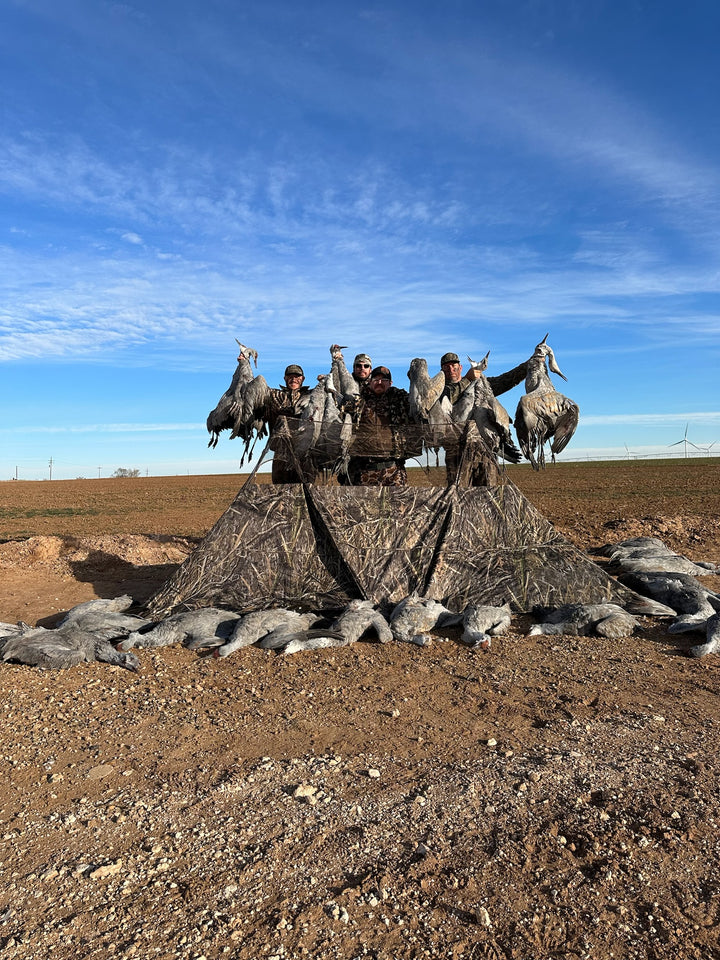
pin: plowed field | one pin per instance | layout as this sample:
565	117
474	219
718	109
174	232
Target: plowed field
553	797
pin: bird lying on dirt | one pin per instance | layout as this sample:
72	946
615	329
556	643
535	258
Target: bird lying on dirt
712	641
584	619
414	617
105	618
357	618
679	591
315	640
482	622
294	628
82	636
651	555
254	626
64	647
203	627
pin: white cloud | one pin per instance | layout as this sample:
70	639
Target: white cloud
652	419
106	428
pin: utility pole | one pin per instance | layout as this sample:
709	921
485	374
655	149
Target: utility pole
50	465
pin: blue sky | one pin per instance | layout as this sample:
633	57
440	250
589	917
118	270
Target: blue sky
402	177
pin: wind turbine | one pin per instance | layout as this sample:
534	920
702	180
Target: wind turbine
685	441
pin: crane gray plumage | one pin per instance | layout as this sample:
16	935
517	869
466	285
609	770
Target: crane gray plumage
343	380
192	628
82	635
712	641
105	619
311	419
61	648
481	622
251	417
424	390
332	444
315	640
584	619
491	418
651	555
293	638
293	628
414	617
357	618
682	593
253	626
230	404
428	405
543	415
464	407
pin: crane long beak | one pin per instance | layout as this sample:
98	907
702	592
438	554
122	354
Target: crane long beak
552	363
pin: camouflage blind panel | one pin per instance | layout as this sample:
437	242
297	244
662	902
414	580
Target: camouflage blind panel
315	547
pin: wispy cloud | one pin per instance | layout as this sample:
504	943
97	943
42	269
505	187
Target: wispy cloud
105	428
652	419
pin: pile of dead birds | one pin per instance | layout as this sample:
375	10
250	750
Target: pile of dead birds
102	630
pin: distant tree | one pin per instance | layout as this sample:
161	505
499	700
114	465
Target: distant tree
126	472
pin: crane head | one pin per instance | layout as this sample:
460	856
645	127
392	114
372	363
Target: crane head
482	365
552	363
247	352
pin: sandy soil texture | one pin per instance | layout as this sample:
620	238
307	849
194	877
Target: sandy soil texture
553	797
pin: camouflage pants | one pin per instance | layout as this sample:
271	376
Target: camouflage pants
365	473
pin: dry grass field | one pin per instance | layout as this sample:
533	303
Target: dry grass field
553	797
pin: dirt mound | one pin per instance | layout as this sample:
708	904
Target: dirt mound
681	533
60	553
45	576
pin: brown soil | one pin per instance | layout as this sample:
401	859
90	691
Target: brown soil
554	797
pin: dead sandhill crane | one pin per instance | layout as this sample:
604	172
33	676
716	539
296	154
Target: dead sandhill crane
544	415
230	405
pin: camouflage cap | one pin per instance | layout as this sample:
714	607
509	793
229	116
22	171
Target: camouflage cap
295	369
362	358
381	373
449	358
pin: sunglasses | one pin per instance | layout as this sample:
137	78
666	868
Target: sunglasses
368	365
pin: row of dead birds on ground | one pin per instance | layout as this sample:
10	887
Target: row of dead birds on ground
102	630
324	432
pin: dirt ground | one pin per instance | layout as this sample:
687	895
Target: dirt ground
553	797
